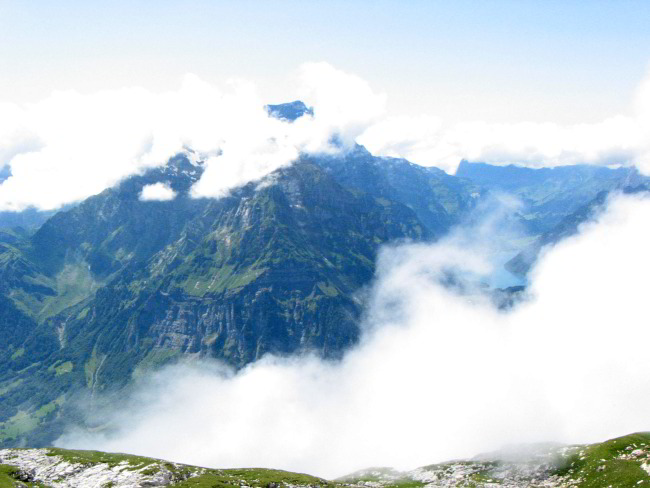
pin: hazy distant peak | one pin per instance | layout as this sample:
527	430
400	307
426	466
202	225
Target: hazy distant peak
289	111
5	172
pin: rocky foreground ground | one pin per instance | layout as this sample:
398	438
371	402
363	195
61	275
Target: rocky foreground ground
621	462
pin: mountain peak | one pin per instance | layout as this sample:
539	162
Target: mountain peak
5	172
289	111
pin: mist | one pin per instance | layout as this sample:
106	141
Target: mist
439	373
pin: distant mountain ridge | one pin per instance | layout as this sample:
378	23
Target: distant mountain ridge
549	194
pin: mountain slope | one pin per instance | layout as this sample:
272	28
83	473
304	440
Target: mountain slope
438	199
129	285
525	259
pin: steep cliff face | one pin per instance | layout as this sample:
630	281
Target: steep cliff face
270	270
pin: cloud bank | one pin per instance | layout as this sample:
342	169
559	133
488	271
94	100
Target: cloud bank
427	140
72	145
438	375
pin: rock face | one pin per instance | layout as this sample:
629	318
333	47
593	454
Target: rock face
91	469
43	467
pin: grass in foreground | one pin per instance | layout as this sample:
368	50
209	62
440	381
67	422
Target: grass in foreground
9	478
616	462
254	477
89	458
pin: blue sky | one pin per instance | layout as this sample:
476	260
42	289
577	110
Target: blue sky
501	61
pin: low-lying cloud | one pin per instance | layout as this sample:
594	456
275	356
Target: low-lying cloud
438	374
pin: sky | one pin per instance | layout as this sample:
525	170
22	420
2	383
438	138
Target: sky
91	93
500	61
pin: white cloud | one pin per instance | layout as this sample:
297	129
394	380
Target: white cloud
15	136
429	141
618	140
71	145
343	103
254	144
418	139
157	192
437	376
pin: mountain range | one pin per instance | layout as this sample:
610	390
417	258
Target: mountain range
104	291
